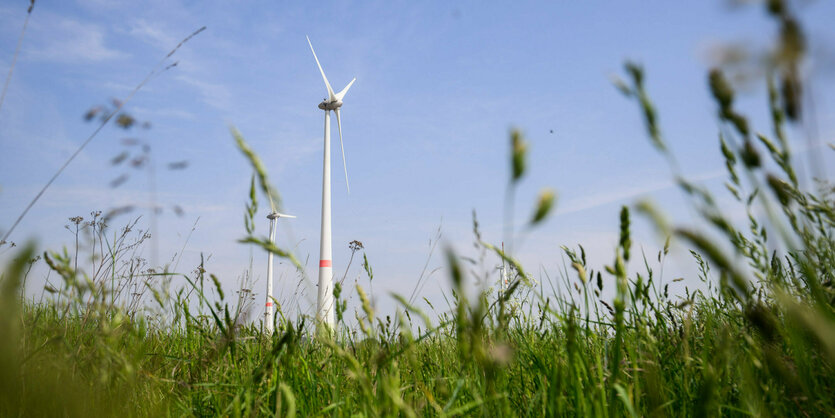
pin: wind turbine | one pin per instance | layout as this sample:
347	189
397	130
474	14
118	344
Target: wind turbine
504	272
324	313
502	268
269	314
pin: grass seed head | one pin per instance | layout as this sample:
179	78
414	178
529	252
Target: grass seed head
519	150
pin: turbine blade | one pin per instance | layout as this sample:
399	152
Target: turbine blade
272	204
331	96
281	215
341	94
344	165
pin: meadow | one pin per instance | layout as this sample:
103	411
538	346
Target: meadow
115	337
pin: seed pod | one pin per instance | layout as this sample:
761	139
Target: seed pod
543	206
749	155
726	151
776	7
739	122
519	149
581	271
780	188
790	89
721	90
625	241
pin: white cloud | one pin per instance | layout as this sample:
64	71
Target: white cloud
608	197
66	40
168	112
152	34
214	94
195	75
104	4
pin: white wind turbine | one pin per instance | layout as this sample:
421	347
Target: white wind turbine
269	313
324	313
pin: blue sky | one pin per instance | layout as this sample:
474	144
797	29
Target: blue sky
439	86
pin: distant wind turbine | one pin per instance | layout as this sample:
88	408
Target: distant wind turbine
269	314
503	281
324	313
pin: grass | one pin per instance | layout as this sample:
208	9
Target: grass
123	339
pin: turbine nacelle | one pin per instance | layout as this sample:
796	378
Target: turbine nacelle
276	215
330	104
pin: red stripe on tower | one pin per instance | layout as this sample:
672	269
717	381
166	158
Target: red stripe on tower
325	263
269	304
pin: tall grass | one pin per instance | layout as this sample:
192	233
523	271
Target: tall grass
760	340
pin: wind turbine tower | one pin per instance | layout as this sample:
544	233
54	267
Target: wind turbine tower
324	313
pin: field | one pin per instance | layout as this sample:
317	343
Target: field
758	341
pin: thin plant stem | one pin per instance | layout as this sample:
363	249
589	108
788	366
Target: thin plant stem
16	52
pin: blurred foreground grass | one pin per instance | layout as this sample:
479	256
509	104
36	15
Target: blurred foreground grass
760	340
